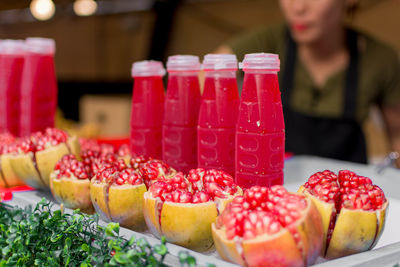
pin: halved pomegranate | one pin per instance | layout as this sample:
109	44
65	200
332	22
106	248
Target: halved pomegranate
269	227
353	211
70	183
183	208
117	189
37	155
7	148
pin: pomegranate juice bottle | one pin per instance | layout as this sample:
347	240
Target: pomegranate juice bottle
11	65
181	112
260	132
38	100
218	113
147	108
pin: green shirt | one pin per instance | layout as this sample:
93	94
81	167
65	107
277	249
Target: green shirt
379	75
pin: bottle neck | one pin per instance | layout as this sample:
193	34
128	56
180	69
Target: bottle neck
220	73
143	82
153	77
260	71
183	73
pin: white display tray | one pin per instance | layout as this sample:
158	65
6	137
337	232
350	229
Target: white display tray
297	171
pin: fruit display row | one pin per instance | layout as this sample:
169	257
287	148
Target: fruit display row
332	215
141	193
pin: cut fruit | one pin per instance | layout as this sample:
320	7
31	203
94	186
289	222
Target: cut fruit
117	189
70	184
183	208
120	203
37	155
353	211
269	227
7	176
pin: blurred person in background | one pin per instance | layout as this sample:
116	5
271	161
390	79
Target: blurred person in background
330	76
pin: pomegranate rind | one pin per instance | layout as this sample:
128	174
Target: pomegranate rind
9	176
381	221
356	231
24	167
119	203
72	192
125	204
279	249
276	250
184	224
265	250
151	214
74	146
227	249
47	159
56	188
325	210
189	225
98	197
311	233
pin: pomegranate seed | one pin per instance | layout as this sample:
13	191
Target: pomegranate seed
120	181
201	197
153	170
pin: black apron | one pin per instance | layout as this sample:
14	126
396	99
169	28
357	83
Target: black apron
338	138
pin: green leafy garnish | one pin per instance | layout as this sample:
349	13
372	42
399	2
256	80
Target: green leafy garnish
42	237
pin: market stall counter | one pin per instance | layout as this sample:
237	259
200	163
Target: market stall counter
297	170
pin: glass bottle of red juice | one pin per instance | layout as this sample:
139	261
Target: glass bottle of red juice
218	113
147	108
38	87
11	65
181	112
260	132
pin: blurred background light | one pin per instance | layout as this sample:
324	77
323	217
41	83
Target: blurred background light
85	7
42	9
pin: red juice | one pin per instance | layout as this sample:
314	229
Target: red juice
11	65
147	108
260	134
218	114
38	100
181	113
